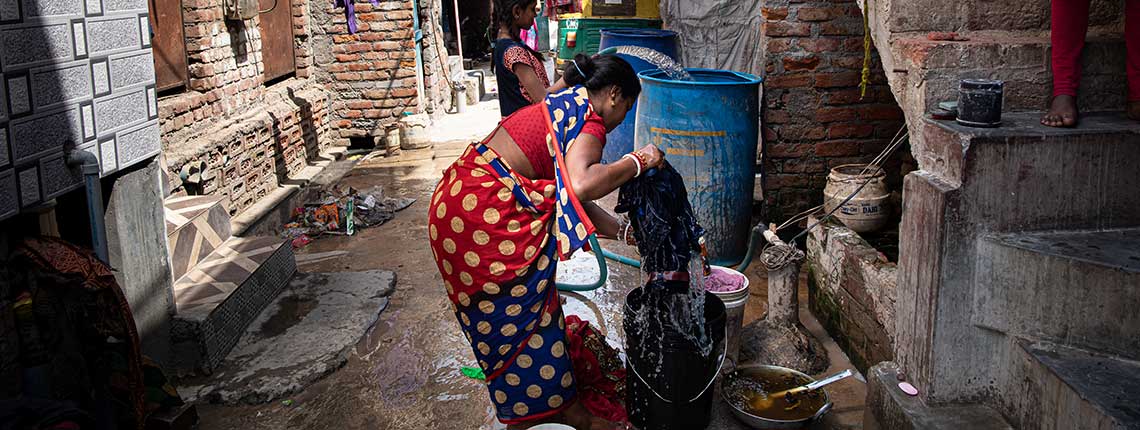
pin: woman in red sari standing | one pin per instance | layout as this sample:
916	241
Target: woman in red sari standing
507	211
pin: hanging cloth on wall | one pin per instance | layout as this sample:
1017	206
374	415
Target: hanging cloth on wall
350	12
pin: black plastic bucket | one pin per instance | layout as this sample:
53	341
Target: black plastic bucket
678	394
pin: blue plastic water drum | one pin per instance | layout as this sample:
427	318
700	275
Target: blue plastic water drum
620	141
709	131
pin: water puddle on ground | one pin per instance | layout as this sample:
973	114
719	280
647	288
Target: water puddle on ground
291	310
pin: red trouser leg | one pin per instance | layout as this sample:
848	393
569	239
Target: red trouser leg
1070	23
1132	43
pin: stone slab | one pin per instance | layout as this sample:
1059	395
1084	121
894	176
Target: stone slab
137	250
1084	390
307	332
894	410
1084	288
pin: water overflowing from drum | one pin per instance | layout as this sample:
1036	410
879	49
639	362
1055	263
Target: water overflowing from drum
671	68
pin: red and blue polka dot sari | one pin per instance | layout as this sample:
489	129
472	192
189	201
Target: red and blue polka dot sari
497	237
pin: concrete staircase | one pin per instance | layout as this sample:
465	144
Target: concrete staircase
1085	287
1069	388
1068	300
1019	260
221	282
1020	277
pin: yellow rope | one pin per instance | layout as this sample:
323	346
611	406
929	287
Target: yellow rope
866	80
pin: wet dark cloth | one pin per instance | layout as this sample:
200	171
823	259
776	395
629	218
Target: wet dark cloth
667	233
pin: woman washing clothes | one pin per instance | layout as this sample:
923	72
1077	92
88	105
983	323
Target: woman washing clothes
501	218
519	70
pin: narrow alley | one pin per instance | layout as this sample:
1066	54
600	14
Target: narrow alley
569	214
404	374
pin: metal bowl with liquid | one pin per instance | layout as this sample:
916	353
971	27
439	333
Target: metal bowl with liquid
741	384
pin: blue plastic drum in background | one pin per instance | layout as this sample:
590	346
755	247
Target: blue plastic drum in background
709	131
620	141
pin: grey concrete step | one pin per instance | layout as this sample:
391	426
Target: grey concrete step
1025	176
219	298
893	409
1075	389
1078	288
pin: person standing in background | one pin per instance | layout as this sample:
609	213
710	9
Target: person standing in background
1070	23
519	69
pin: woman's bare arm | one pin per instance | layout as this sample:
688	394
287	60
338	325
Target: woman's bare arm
530	82
590	178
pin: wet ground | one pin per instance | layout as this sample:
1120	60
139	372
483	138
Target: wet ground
404	374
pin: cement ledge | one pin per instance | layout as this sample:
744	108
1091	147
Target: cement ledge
889	408
244	224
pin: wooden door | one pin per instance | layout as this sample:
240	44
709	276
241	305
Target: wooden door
277	39
168	44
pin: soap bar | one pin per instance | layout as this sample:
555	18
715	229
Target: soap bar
908	389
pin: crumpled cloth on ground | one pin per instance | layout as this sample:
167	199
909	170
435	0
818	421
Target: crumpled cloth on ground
87	327
598	371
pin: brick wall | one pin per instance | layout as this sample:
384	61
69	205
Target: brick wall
224	62
814	118
372	72
252	136
250	155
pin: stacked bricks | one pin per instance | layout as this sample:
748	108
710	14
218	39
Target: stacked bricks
302	48
248	157
371	72
814	117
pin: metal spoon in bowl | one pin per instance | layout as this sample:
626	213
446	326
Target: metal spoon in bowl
764	403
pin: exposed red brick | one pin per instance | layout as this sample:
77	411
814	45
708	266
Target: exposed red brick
776	46
850	130
833	114
848	62
786	29
789	81
812	14
839	79
837	148
842	96
842	28
820	44
774	13
806	62
881	112
802	132
788	150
